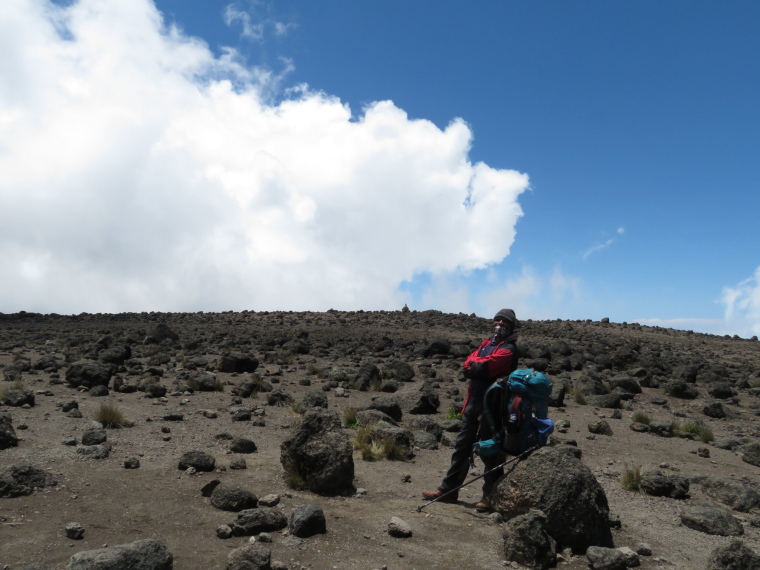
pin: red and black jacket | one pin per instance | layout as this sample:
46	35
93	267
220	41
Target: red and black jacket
492	360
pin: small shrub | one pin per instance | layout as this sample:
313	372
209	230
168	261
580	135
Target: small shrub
110	416
641	417
454	413
218	386
376	384
676	427
706	435
315	370
631	478
392	451
350	419
579	398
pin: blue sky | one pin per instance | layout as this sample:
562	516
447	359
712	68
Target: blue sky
617	144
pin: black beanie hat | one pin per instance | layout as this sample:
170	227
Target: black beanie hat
508	315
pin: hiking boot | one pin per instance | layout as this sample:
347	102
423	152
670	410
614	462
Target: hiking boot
433	495
483	506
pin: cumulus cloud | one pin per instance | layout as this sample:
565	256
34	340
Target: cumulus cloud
141	172
603	245
742	304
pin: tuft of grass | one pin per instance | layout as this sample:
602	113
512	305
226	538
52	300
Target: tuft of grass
706	435
376	384
293	479
372	448
641	417
579	398
454	413
350	419
218	386
110	416
631	478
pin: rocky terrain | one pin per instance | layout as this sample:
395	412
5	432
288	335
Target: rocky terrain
220	410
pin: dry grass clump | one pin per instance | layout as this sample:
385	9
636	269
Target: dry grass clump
293	479
350	419
110	416
373	447
641	417
631	478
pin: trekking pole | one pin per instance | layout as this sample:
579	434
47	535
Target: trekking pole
515	458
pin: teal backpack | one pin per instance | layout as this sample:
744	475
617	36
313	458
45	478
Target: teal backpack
516	409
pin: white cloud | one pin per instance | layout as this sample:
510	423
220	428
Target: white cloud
742	304
604	245
254	26
140	172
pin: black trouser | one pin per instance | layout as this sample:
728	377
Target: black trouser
460	459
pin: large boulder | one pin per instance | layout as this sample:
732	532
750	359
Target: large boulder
249	557
658	484
255	521
7	433
422	401
388	405
401	371
527	542
731	493
89	374
20	480
237	362
320	453
711	520
139	555
733	556
227	497
198	460
18	398
307	520
160	333
554	481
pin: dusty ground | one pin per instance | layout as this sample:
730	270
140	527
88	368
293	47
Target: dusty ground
117	505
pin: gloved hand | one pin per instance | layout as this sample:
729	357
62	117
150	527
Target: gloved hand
479	370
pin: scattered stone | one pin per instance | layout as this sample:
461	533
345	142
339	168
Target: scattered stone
733	556
399	528
227	497
527	541
658	484
731	493
131	463
254	521
100	451
143	554
711	520
238	463
271	500
600	428
243	445
94	437
601	558
198	460
307	520
74	531
7	433
249	557
22	480
320	453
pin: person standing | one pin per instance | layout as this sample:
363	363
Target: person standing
495	358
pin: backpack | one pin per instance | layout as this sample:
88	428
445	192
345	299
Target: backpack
516	409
